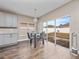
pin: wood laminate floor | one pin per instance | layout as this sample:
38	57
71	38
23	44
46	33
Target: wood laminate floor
23	50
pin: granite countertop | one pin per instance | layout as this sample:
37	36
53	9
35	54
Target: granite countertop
4	33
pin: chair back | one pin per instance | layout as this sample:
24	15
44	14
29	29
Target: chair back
30	35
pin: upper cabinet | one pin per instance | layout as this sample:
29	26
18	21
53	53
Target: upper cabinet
8	20
15	21
2	20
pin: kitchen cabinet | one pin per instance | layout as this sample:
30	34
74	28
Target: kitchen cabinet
8	38
14	38
14	21
8	20
2	20
1	39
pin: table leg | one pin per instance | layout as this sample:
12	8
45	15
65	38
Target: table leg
35	43
43	41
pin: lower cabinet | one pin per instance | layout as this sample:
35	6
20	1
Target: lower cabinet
7	39
1	39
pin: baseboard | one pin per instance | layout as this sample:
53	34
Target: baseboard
5	45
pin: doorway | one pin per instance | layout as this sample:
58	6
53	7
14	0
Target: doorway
58	31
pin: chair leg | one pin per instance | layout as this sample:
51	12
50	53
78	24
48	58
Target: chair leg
30	41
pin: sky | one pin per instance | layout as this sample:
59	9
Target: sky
59	21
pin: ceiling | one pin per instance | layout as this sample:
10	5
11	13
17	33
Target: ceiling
26	7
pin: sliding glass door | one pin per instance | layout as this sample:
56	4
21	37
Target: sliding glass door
58	31
63	31
51	30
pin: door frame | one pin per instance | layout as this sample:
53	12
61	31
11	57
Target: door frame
70	39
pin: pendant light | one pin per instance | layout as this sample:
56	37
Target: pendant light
35	19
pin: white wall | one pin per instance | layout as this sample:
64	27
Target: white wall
24	28
71	9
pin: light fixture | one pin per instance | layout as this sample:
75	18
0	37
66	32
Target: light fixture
35	15
35	19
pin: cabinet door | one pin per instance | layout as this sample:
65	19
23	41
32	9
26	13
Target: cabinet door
6	39
8	20
2	19
1	39
11	20
14	21
11	38
14	38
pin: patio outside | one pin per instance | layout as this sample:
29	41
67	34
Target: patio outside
61	29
